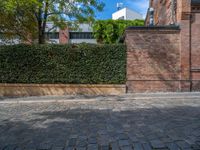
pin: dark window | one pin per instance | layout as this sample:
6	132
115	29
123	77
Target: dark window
52	35
81	35
121	18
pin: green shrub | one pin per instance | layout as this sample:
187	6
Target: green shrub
109	31
81	64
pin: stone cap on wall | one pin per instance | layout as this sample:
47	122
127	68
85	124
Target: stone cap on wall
174	27
161	29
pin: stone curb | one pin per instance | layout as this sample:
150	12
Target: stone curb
65	99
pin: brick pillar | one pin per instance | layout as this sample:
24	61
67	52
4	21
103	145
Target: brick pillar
151	65
185	55
64	36
185	41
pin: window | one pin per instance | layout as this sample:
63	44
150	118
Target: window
121	18
52	35
81	35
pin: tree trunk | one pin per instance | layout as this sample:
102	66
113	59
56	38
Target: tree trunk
41	38
42	23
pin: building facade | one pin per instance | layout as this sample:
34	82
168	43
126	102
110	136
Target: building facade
83	34
126	14
165	56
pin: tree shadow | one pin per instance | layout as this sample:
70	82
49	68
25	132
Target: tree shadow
180	124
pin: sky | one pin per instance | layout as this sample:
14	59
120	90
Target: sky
140	6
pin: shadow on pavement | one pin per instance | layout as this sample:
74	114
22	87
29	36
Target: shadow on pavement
162	128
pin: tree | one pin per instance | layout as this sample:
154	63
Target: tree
109	31
30	17
16	19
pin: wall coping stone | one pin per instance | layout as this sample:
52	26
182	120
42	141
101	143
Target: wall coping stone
21	90
63	85
171	27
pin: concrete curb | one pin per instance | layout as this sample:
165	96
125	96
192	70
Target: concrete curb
78	98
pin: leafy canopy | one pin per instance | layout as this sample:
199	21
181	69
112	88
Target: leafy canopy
29	17
109	31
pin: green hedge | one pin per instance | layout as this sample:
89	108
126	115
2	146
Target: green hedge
81	64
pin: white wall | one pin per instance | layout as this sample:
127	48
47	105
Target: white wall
128	14
84	28
118	14
132	15
92	41
53	41
10	42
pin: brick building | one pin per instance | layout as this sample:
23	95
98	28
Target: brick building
166	56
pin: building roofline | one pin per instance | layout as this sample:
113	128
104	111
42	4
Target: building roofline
128	9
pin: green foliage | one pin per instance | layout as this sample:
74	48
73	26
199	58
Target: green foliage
82	64
17	19
27	18
109	31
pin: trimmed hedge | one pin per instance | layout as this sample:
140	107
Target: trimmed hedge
77	64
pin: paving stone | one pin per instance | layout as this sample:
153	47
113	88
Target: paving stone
137	146
18	148
69	148
114	146
81	143
122	136
92	140
92	147
172	146
195	147
168	120
146	146
81	148
151	137
197	142
123	143
9	147
44	146
157	144
126	148
72	142
183	144
30	146
103	147
57	148
133	138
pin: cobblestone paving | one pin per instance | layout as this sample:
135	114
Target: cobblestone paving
106	123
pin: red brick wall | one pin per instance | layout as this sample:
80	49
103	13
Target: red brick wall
163	11
187	16
196	41
64	36
195	51
153	60
167	12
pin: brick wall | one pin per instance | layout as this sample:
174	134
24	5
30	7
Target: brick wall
153	59
169	11
186	14
163	11
195	51
64	36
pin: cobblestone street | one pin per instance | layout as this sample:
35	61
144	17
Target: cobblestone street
139	122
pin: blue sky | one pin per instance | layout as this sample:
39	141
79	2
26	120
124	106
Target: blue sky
110	7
